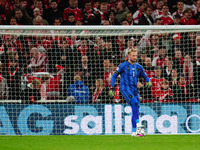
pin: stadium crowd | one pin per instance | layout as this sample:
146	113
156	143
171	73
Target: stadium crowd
85	64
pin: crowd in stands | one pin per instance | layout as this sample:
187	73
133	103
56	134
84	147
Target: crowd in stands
86	64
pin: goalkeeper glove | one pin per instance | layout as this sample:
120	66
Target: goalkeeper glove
112	93
148	84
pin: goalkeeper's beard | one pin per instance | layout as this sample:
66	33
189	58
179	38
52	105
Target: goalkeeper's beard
132	61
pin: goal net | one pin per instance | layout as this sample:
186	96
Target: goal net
55	80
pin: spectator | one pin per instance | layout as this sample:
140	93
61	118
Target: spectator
21	19
178	61
13	21
165	17
138	14
112	5
167	68
13	76
187	19
38	20
158	21
166	41
6	7
183	91
32	92
159	60
122	10
106	64
73	9
70	19
43	88
190	43
112	18
100	94
180	9
188	69
174	78
79	22
148	68
88	76
106	23
37	62
57	22
196	72
165	92
38	4
79	91
52	13
96	5
129	18
104	11
142	58
125	23
177	20
156	81
146	18
3	85
158	10
130	44
110	52
177	44
152	51
90	16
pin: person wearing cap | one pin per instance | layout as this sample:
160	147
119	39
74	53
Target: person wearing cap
183	91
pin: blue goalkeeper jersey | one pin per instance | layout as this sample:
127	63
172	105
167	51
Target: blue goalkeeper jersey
129	76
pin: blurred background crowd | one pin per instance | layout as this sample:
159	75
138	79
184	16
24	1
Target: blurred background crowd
79	69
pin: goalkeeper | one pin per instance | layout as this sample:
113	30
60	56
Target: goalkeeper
130	71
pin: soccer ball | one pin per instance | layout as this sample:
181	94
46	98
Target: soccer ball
141	132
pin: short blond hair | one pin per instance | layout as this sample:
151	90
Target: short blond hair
131	50
100	81
166	82
77	78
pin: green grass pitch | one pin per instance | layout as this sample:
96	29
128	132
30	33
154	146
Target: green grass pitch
101	142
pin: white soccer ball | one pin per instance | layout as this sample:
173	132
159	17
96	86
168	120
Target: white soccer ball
142	132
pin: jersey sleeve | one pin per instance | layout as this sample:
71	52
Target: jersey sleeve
144	75
117	72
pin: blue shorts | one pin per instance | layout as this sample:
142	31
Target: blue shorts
132	98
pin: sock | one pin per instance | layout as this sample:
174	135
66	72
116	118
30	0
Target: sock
137	121
133	129
139	124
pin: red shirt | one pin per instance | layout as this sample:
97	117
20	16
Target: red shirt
149	73
160	62
162	94
188	22
156	85
76	11
166	20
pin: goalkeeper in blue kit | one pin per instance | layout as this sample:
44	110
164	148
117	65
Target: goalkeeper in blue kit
130	71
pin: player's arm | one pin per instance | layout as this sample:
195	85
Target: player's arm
113	78
146	78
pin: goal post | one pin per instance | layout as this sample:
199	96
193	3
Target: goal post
55	79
